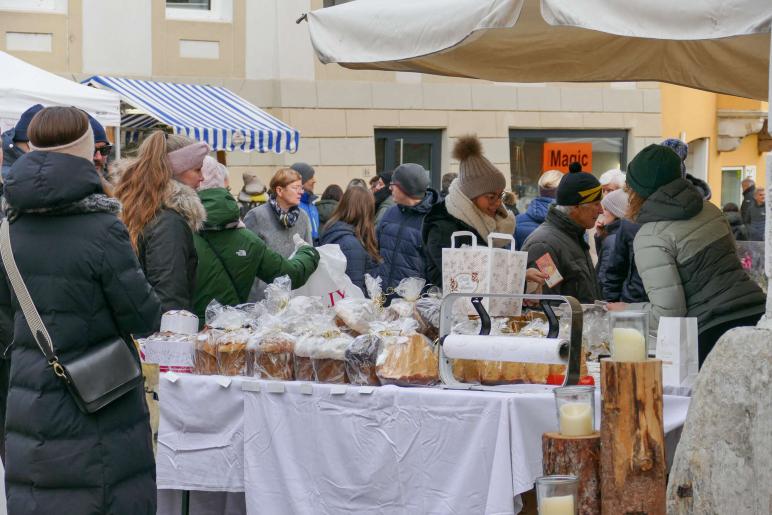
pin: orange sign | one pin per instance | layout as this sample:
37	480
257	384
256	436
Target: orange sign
557	156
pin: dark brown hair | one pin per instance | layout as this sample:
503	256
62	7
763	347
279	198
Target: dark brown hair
636	203
357	208
333	192
55	126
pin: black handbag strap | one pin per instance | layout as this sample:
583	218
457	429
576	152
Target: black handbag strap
31	315
222	262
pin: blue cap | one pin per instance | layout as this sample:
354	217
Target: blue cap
20	131
100	136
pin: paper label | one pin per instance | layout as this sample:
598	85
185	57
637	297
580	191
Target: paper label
306	389
169	353
224	381
338	389
366	390
250	386
274	387
171	377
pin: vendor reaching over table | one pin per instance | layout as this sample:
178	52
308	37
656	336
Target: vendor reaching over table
685	252
473	204
230	256
560	242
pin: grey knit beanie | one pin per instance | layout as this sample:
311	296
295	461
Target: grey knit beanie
476	175
412	178
616	203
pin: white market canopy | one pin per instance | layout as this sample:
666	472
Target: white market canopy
713	45
212	114
23	85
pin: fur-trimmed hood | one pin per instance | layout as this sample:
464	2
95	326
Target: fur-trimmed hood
185	201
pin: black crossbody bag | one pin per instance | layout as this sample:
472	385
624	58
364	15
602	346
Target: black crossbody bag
104	373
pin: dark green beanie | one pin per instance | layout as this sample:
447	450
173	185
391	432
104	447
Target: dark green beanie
653	167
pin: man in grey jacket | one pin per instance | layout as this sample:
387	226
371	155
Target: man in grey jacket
561	236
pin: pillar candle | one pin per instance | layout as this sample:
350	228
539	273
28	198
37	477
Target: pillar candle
561	505
575	419
629	345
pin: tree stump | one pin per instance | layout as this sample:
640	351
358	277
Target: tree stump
580	456
632	463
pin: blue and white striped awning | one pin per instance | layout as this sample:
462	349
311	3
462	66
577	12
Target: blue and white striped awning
207	113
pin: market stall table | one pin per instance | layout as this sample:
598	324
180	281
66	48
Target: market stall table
297	447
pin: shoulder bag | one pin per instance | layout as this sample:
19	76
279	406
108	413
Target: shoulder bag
104	373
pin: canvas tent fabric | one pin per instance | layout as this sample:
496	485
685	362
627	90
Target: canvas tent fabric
23	85
713	45
207	113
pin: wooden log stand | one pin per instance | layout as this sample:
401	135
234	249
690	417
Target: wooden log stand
580	456
632	462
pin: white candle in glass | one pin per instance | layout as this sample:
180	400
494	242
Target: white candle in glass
629	345
576	419
560	505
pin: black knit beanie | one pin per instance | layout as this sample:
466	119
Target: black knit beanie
578	188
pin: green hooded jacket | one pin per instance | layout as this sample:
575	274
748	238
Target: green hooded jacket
231	257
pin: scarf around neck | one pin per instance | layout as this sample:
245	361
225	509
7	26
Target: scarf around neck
287	218
94	203
459	206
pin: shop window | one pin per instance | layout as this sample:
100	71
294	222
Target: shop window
333	3
206	5
533	152
200	10
424	147
731	187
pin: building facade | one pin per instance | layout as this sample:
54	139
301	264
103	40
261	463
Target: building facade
354	124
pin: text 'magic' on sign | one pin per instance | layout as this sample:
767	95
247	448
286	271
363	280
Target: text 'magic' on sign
557	156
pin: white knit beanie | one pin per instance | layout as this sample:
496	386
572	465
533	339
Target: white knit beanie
616	203
476	175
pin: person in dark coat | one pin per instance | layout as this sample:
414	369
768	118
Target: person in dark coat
15	140
399	233
757	214
561	236
330	200
615	207
351	226
308	200
447	180
732	214
88	287
162	211
473	204
623	282
536	212
383	199
749	190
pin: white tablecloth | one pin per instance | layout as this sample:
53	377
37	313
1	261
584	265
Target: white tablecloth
312	449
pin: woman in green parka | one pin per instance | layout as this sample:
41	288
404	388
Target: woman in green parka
231	256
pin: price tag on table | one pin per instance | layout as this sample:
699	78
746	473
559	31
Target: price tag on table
338	389
274	387
306	389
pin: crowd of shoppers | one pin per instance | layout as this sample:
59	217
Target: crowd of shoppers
126	241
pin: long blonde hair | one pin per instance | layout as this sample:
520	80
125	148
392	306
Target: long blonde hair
357	208
145	180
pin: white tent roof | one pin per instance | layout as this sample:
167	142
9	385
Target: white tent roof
23	85
715	45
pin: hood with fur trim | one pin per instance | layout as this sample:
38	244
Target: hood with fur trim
185	201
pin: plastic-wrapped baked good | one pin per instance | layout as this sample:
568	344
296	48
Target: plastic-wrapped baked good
233	357
304	368
406	357
358	314
274	356
361	357
427	312
205	354
225	317
328	357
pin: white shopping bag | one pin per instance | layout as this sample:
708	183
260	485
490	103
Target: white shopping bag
330	281
677	348
477	269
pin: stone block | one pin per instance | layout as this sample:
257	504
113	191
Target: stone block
423	118
308	152
446	96
388	95
603	120
644	124
297	93
652	101
581	99
362	122
324	123
722	463
494	96
481	123
341	93
622	100
518	120
263	93
496	150
347	151
562	120
538	98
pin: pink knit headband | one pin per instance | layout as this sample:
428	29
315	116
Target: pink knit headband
187	158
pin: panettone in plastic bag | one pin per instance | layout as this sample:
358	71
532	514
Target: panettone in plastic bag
361	358
406	358
274	351
205	353
357	314
233	356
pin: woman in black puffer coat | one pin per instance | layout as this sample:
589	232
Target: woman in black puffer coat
76	259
